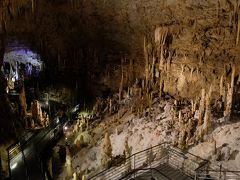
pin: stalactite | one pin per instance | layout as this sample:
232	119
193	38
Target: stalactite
232	77
33	6
153	70
221	86
130	71
121	85
193	106
218	7
238	29
146	62
140	92
160	39
191	73
168	66
142	84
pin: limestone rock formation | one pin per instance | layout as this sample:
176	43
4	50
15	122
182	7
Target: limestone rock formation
106	154
69	163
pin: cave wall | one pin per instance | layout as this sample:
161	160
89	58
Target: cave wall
6	114
89	39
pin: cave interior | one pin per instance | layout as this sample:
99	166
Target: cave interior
118	77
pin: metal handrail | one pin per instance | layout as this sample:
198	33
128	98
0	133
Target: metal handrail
122	167
151	158
146	169
128	159
222	173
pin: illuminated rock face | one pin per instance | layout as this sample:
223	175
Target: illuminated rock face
89	38
189	45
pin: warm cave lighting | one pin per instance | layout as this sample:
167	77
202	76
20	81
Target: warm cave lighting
13	166
57	120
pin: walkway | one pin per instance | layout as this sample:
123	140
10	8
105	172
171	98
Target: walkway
162	172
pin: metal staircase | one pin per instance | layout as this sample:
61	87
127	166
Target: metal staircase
164	162
161	161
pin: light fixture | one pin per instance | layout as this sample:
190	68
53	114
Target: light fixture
57	120
65	127
13	166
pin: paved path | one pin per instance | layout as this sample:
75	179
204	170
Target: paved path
27	165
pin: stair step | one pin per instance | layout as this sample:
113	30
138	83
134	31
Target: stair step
167	170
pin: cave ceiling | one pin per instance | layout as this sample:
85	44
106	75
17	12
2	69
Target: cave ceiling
198	31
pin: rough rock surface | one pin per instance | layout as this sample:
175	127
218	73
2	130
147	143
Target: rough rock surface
88	40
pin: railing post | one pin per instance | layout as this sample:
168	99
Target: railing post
134	165
150	161
220	175
195	177
9	168
224	175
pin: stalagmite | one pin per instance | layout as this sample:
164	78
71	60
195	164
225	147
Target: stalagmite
75	176
182	140
23	104
201	107
106	154
153	69
110	106
69	163
180	121
50	167
36	111
207	120
127	153
228	103
146	62
161	83
229	98
214	146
